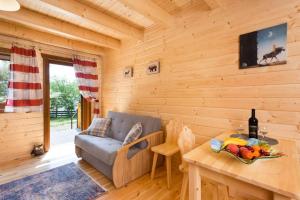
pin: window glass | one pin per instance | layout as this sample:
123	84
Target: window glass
4	71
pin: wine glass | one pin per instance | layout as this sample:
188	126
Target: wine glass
240	130
264	131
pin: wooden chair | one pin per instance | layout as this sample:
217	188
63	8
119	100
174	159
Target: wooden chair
168	148
186	142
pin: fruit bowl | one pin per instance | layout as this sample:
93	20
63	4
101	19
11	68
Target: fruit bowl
246	151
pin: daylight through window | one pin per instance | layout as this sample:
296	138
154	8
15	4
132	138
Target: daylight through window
4	71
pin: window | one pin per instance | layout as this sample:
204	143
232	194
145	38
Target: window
4	72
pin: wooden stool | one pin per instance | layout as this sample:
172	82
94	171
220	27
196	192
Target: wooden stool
167	149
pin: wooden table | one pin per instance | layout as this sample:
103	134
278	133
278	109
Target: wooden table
277	178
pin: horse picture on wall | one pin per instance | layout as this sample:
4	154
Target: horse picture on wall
128	72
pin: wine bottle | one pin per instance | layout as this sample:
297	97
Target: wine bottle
253	126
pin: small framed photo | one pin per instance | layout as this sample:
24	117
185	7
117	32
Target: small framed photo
153	67
128	72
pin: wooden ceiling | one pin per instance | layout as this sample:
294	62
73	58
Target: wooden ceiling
102	23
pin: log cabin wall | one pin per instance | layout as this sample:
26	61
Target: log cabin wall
200	81
20	131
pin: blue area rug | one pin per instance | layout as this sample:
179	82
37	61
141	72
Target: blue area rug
67	182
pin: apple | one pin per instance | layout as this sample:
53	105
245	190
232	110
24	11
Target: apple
246	153
233	148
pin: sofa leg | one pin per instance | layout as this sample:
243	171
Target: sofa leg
78	151
154	165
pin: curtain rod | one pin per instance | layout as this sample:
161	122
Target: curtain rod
40	45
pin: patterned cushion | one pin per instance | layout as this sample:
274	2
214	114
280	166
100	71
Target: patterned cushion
134	133
98	126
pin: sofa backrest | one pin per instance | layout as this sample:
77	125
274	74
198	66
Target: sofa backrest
122	123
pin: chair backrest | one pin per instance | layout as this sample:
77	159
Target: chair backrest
173	129
186	142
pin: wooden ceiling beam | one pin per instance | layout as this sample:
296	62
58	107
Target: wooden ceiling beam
181	3
59	27
151	10
86	15
22	32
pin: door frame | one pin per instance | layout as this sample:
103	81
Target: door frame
47	60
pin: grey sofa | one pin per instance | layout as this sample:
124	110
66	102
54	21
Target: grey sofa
121	163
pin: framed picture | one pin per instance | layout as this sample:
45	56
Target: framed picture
265	47
128	72
153	68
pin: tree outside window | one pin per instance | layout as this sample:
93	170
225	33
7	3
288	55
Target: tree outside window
64	95
4	75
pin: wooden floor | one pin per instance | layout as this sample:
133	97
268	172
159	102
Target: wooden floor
142	188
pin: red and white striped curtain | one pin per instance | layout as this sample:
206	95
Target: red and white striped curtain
87	79
24	86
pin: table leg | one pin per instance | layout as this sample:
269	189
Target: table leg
280	197
194	183
154	165
168	162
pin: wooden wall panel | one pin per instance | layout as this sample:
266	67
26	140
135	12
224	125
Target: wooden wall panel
200	82
18	133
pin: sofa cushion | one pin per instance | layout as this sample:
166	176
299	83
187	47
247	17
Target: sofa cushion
98	126
134	133
103	148
122	123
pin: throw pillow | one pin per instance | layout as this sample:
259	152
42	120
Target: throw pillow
98	126
134	133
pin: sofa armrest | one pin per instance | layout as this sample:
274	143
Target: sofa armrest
125	170
83	132
147	137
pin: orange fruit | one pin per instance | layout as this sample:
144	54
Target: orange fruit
256	147
256	154
246	154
